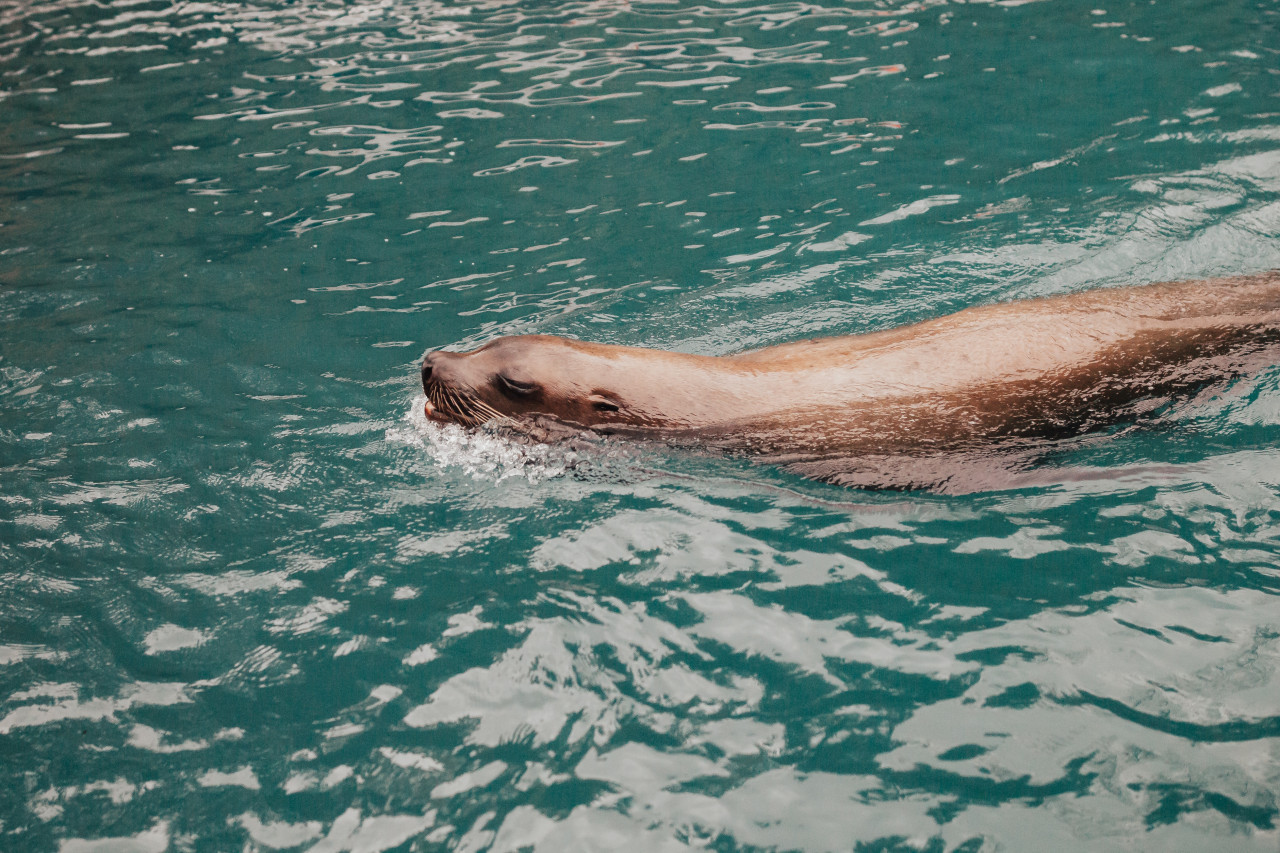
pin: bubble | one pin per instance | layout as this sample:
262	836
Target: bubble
482	454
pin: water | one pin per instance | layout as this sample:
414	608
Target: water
252	601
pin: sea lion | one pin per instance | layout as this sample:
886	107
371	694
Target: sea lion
855	409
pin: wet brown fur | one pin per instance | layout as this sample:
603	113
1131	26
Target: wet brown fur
1032	368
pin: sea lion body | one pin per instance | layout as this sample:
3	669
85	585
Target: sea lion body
1041	367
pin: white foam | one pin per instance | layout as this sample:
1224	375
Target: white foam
482	454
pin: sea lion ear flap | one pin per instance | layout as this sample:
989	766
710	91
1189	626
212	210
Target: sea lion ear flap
603	402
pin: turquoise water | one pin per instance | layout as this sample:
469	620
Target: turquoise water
252	601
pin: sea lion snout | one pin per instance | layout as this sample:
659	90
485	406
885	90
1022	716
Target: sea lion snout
458	372
435	366
457	389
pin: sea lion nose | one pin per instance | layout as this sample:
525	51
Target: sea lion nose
436	365
431	364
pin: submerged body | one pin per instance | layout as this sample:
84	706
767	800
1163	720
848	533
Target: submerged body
1033	368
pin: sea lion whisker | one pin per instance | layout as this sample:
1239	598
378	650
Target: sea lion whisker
490	414
462	406
433	394
439	401
468	405
447	400
486	409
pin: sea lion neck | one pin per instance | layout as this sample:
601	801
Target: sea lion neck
674	389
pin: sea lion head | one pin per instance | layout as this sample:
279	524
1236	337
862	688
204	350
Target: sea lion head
520	378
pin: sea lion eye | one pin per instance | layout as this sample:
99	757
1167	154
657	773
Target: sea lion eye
515	387
601	403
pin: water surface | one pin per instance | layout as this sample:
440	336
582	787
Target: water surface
252	601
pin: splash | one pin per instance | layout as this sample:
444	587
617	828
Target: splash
482	454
